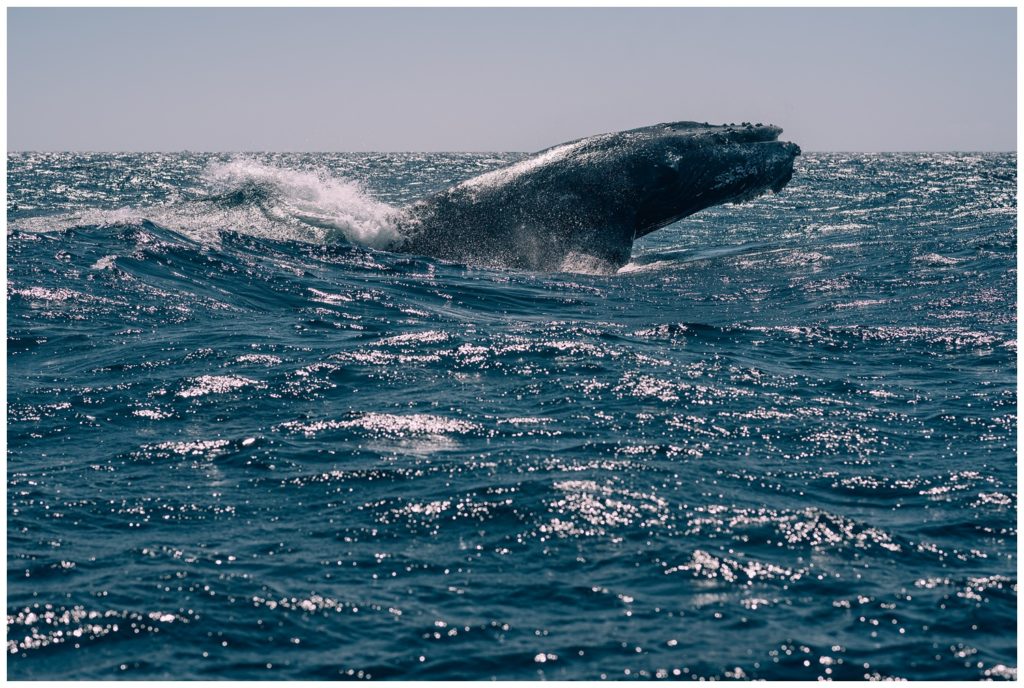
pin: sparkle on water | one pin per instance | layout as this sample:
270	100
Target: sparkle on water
780	443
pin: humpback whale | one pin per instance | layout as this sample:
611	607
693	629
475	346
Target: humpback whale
594	196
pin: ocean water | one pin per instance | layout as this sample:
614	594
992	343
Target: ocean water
246	441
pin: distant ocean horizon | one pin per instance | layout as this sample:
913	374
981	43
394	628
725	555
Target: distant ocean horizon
256	151
247	440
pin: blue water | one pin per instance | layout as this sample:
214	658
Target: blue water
244	441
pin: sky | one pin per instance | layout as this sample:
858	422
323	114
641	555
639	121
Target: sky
519	79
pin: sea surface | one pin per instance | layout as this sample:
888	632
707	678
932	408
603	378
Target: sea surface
246	441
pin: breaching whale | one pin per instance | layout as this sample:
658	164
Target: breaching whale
594	196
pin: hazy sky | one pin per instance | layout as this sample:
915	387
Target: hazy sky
351	79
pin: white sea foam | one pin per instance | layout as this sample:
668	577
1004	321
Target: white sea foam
267	201
584	264
934	259
653	266
105	263
313	198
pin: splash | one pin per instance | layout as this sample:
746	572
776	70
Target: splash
310	199
257	199
584	264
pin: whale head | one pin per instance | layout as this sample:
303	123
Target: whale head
677	169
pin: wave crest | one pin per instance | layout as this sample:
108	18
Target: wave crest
338	207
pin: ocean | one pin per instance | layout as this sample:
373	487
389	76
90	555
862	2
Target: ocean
245	440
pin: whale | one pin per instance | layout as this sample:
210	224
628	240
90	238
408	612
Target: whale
591	198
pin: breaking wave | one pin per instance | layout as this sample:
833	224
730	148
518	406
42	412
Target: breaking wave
257	199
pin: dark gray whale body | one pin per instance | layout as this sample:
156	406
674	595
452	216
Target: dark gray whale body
592	197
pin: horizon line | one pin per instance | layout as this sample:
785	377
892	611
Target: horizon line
411	152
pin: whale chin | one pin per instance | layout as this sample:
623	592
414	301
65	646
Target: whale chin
595	195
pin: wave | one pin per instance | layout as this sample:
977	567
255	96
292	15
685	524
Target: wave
254	198
312	198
